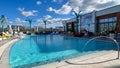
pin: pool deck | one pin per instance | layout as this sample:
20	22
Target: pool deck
104	59
4	53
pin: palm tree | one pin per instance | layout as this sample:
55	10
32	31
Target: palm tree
45	23
77	14
30	23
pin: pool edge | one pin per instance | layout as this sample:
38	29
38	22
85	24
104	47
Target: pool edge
4	58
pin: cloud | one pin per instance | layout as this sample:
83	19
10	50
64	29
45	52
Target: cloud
54	0
34	11
47	17
27	13
90	5
50	9
21	9
38	2
18	20
57	1
56	20
54	25
65	9
11	22
39	20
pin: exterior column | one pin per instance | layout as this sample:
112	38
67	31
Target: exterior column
118	23
30	22
76	24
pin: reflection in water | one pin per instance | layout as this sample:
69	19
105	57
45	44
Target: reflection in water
57	43
49	48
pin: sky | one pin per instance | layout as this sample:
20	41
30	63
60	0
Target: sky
54	11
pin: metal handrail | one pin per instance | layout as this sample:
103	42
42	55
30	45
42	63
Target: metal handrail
118	47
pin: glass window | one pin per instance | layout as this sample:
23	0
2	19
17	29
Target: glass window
114	26
101	27
110	19
106	27
106	20
101	20
110	26
114	19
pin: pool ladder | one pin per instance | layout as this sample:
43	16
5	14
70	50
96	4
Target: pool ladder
118	47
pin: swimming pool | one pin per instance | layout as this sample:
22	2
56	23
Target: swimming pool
45	49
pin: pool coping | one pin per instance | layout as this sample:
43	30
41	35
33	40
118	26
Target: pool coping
80	61
4	57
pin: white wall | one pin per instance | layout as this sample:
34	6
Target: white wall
87	19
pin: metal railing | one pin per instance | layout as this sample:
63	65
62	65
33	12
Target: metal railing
118	47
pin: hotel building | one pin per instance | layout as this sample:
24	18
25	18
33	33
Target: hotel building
106	20
69	25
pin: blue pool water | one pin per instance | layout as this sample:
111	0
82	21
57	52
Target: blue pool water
50	48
